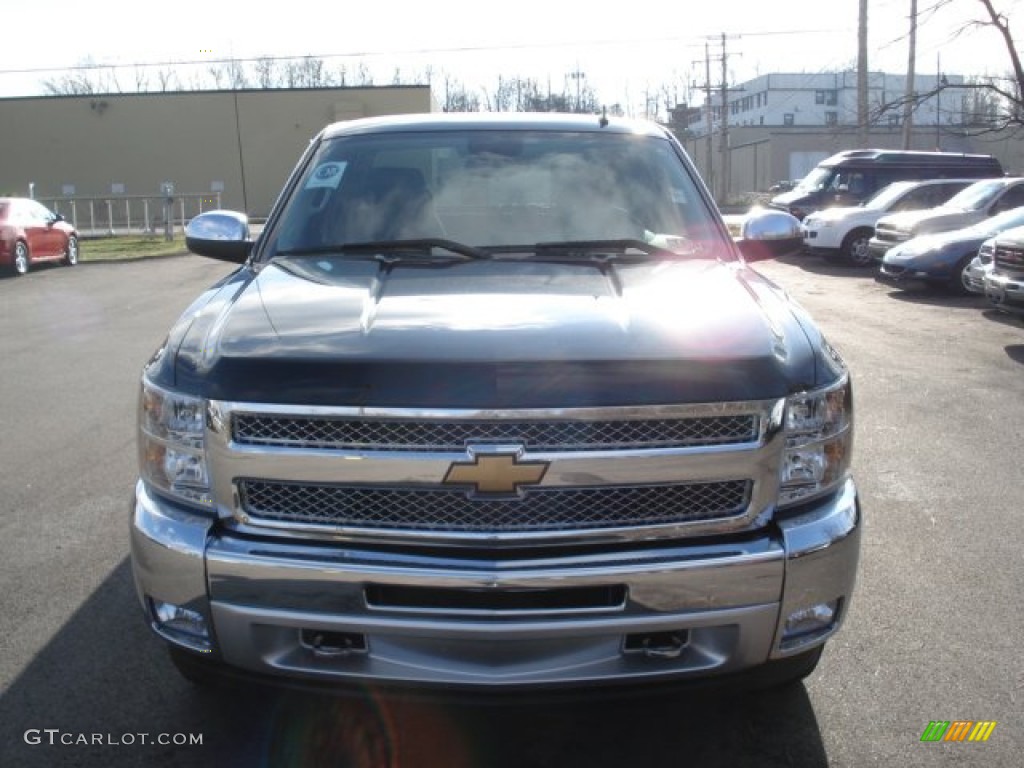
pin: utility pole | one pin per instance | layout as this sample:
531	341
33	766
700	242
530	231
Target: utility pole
862	74
724	148
721	189
578	75
908	98
710	118
938	102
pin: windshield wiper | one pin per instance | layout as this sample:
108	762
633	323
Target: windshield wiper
595	250
393	250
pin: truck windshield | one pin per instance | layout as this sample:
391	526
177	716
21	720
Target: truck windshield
495	189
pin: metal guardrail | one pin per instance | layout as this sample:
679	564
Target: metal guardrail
131	214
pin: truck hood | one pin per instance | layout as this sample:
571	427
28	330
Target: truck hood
495	334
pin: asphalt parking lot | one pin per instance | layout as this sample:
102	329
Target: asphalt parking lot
934	632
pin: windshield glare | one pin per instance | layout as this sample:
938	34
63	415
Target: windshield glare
975	197
491	189
1002	221
817	179
884	197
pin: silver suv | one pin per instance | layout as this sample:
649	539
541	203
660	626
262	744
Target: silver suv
978	201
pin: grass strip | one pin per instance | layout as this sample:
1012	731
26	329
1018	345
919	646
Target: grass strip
128	247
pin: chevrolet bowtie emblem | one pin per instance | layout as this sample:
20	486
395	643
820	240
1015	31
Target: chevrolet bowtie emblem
496	473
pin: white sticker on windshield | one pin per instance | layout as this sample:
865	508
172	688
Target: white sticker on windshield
326	175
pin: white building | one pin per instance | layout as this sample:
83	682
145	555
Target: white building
829	99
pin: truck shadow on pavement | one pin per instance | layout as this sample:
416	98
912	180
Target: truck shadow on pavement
1004	318
936	297
1015	352
819	266
104	676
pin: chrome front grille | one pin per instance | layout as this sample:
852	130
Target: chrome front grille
1009	259
385	474
890	235
425	435
455	511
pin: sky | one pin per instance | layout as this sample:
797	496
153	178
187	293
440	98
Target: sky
622	51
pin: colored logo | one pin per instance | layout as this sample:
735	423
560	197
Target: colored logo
958	730
498	473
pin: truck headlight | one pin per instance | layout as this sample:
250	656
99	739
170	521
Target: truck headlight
172	455
819	439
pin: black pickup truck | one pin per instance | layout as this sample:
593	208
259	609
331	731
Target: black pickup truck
495	401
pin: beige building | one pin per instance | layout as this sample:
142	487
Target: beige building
236	148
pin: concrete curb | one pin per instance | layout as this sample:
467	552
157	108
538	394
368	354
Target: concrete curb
88	262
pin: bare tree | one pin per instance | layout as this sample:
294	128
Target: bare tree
500	99
457	98
73	84
85	78
363	76
234	71
265	68
168	80
1015	98
1004	102
217	73
979	107
313	73
195	82
110	81
141	80
307	72
519	94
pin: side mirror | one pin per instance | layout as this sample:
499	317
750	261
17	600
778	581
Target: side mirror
222	235
766	234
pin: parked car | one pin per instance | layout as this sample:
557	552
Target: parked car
940	259
842	234
1004	284
973	276
495	402
30	232
851	177
782	186
973	204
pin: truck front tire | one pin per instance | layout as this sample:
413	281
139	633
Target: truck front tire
193	667
780	673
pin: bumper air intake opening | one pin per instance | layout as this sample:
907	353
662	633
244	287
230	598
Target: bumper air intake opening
332	644
657	645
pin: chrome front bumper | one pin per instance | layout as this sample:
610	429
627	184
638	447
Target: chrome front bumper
687	609
1005	292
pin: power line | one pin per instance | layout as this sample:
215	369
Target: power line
690	42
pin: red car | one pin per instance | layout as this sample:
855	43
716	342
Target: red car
30	232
